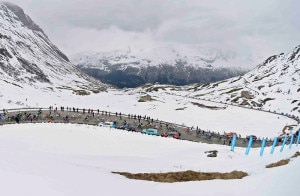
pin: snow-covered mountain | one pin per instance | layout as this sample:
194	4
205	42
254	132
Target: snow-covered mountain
273	85
31	64
54	158
165	64
27	56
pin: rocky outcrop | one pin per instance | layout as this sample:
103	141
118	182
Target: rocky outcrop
247	95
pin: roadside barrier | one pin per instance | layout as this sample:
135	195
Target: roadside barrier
233	142
249	145
298	138
263	145
284	142
218	139
274	144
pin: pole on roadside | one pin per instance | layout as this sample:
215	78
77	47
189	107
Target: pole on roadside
249	145
284	142
274	144
263	147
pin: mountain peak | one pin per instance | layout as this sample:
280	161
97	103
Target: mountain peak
16	13
28	57
25	19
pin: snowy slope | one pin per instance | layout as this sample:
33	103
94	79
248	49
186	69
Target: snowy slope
278	91
71	160
27	56
273	85
166	107
65	159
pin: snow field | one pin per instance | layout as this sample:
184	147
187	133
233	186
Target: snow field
69	159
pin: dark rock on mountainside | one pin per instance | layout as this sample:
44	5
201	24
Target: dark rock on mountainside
164	64
164	74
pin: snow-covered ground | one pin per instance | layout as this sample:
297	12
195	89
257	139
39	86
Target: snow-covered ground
65	159
165	107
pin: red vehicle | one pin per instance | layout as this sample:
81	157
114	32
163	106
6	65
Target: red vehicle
171	134
230	134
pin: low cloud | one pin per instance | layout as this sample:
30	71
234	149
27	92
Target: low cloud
257	28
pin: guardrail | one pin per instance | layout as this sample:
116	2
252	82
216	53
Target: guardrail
96	115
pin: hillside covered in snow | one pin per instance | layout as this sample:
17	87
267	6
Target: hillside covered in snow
78	159
273	86
31	65
28	57
70	160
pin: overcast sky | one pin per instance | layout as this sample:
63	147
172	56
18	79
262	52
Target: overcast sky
263	27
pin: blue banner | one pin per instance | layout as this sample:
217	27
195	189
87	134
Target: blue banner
292	141
274	144
233	142
263	147
249	145
298	138
284	142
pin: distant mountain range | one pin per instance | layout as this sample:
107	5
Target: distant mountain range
165	64
29	62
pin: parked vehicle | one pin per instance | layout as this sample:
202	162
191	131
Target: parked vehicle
230	134
107	124
254	138
127	127
130	128
172	134
150	131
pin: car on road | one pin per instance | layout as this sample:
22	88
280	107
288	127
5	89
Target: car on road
107	124
230	134
172	134
150	131
128	127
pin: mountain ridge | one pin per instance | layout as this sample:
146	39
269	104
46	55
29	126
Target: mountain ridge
28	60
28	57
178	64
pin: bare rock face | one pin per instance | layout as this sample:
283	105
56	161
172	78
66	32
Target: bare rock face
247	95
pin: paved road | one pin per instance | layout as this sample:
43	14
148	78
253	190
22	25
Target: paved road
140	122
